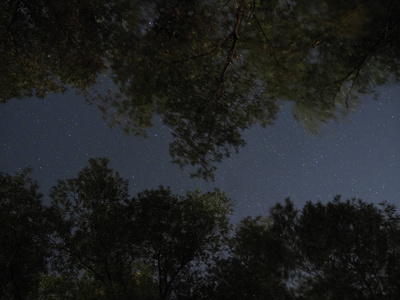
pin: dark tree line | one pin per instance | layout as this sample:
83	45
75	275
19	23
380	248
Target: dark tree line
94	241
211	69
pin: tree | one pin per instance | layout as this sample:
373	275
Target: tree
96	242
231	68
149	246
48	46
180	235
258	262
24	227
255	267
211	69
349	249
196	80
91	233
338	250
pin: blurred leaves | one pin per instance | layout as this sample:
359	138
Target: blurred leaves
210	69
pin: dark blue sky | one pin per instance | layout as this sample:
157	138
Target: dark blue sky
356	157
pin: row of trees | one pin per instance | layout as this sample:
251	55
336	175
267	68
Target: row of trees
211	69
94	241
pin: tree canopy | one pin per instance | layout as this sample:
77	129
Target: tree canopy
338	250
94	241
211	69
149	245
24	227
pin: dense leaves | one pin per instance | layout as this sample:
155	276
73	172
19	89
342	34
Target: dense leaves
179	234
90	236
339	250
150	245
254	268
349	250
24	227
211	69
96	242
47	46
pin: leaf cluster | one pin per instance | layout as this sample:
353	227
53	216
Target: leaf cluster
210	69
338	250
96	242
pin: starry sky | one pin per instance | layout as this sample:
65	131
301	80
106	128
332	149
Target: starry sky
357	156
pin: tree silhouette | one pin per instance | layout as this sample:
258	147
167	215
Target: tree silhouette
24	226
210	69
349	250
339	250
48	46
96	242
147	246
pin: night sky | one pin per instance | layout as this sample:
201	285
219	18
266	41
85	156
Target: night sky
358	156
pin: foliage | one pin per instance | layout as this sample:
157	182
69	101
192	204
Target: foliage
231	68
339	250
179	234
48	46
211	69
24	226
254	269
145	246
349	250
90	234
96	242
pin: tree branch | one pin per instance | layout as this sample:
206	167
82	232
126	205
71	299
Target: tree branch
219	46
232	50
